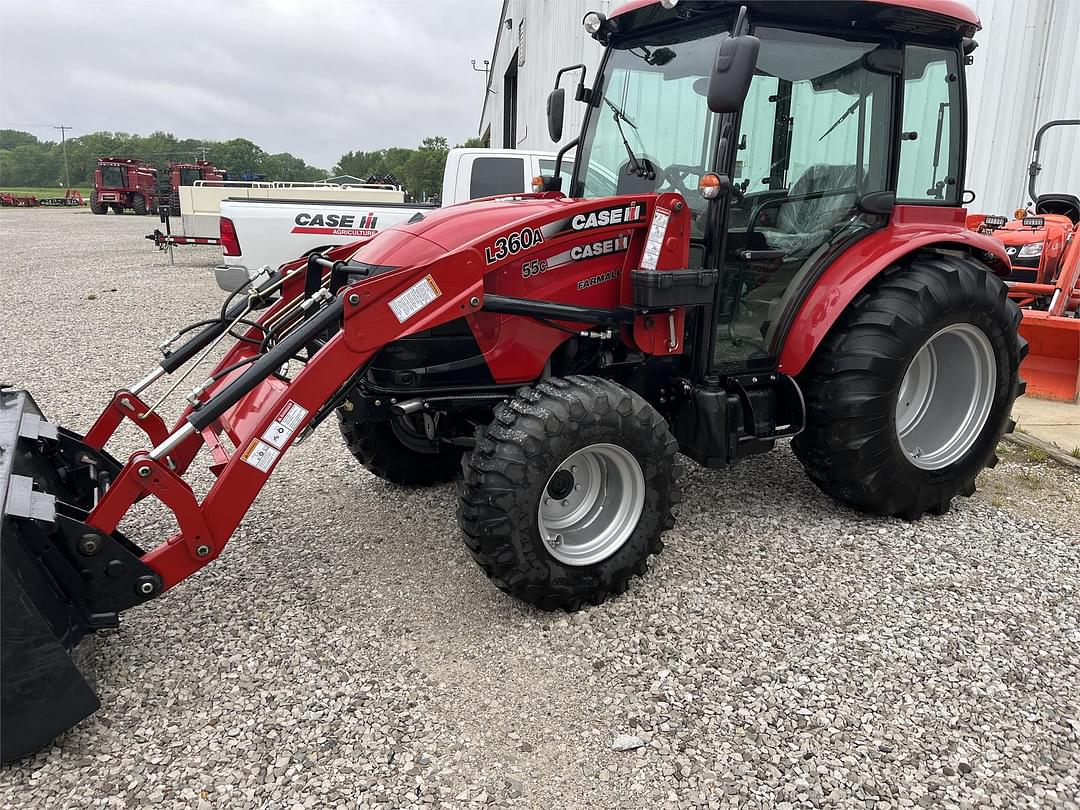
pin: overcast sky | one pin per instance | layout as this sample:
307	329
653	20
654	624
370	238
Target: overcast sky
313	77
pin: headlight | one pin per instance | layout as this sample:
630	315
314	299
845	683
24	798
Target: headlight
593	22
1030	251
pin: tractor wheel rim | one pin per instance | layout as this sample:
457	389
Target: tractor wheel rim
591	504
946	396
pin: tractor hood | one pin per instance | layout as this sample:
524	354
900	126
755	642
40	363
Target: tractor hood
453	227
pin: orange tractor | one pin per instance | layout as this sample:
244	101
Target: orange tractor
1043	245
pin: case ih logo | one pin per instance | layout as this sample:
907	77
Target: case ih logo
607	216
594	249
335	224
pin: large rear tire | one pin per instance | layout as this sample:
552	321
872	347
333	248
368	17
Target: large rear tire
913	388
396	451
138	204
568	491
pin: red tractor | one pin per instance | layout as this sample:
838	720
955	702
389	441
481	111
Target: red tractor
1043	245
745	255
121	183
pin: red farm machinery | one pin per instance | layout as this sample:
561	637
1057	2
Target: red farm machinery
185	174
72	197
123	183
743	255
1042	241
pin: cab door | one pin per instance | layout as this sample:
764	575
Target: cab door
814	138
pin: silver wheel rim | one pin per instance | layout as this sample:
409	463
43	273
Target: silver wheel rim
591	504
945	396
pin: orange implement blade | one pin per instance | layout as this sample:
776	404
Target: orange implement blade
1052	367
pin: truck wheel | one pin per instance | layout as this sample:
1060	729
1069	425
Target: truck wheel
568	491
397	451
138	204
97	206
911	391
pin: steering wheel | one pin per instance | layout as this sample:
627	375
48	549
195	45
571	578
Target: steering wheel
675	176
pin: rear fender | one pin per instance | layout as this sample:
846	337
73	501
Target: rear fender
912	229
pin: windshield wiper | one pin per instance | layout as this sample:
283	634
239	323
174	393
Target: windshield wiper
640	168
842	118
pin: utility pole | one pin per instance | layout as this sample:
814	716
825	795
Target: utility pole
63	139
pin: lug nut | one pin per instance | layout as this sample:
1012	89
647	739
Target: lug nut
566	503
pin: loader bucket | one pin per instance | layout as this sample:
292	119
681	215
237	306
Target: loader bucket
59	579
1052	367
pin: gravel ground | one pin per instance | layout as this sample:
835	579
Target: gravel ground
783	651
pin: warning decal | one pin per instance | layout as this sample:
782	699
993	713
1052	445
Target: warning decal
655	241
414	299
285	425
260	455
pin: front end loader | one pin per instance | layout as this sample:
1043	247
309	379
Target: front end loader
735	263
1043	245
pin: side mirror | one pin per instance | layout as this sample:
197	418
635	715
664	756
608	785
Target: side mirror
877	202
729	82
556	103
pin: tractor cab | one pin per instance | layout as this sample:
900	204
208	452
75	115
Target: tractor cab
851	111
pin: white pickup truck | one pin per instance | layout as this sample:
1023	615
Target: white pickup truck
257	233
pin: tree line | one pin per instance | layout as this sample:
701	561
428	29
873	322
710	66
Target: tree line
419	171
26	161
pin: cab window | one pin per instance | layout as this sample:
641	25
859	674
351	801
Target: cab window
930	138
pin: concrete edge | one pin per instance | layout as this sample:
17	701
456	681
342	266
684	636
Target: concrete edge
1022	439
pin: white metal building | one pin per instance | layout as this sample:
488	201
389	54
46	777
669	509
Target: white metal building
1023	76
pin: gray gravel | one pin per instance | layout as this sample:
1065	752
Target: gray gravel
345	651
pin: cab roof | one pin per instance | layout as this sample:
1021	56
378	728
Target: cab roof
916	16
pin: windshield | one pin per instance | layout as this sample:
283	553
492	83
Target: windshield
652	129
113	177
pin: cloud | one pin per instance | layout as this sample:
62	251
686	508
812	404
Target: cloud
316	78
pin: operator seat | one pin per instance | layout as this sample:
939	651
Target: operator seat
804	222
1067	205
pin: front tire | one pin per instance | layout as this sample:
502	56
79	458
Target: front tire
97	206
395	451
913	388
568	491
138	204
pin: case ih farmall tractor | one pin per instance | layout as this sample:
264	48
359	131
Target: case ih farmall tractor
121	183
746	253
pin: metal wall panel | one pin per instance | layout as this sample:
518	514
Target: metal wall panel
552	37
1021	78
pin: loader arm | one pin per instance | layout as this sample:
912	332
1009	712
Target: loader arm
65	569
264	415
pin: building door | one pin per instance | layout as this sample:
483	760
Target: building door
510	96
